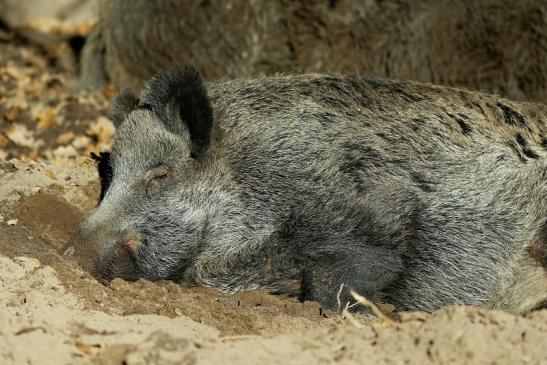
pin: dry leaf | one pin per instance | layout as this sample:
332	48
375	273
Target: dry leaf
20	135
86	348
109	91
81	142
47	119
102	129
85	27
3	141
29	262
12	114
92	148
383	324
13	72
64	152
65	138
33	156
87	161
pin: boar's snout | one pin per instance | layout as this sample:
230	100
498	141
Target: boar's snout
104	253
82	252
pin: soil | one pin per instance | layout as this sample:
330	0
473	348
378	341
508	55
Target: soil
53	312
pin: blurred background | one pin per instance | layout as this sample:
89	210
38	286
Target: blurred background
61	60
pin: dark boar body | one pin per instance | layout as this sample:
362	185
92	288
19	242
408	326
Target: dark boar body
412	194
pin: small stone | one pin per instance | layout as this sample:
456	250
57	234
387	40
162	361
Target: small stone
36	189
28	262
12	222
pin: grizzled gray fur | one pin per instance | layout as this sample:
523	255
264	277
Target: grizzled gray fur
411	194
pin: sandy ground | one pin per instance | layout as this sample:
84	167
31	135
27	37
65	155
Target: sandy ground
52	312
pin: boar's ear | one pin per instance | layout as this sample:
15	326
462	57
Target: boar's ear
123	103
105	171
184	87
195	110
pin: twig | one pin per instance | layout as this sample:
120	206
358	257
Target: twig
236	337
338	296
367	303
346	314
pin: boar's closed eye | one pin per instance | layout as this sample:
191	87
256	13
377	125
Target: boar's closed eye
105	171
155	180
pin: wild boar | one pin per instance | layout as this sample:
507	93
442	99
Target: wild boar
412	194
494	46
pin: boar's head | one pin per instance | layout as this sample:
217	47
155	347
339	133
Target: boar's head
160	186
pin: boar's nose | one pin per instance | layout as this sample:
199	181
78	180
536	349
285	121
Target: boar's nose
105	254
81	249
92	242
131	240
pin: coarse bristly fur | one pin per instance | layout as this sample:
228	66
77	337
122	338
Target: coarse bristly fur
411	194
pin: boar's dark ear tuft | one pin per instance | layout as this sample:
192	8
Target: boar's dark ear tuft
105	171
123	103
184	86
195	109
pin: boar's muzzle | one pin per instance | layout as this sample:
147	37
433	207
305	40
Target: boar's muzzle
104	254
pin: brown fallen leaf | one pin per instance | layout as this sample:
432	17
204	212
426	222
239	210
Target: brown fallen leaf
102	129
47	119
65	138
3	141
87	161
86	348
12	72
20	135
30	262
64	152
81	142
33	155
12	114
51	175
85	27
109	91
92	148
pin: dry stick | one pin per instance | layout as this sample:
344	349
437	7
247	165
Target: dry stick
338	296
237	337
345	312
367	303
